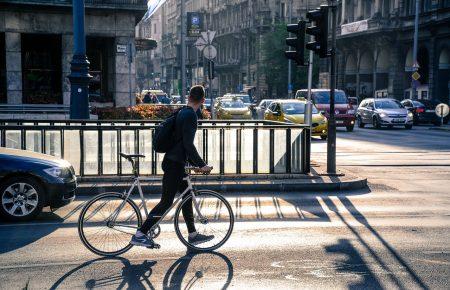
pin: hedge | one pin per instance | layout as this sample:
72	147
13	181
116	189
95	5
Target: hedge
139	112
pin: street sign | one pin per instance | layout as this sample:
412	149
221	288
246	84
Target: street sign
210	52
121	48
442	110
416	76
208	36
201	43
194	24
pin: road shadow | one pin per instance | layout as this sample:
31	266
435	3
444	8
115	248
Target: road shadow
352	263
15	235
194	269
389	269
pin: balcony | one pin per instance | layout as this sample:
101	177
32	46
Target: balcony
106	4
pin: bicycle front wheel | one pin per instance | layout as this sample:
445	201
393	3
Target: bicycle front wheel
213	217
107	223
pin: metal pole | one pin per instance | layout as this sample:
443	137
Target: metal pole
130	60
331	144
308	111
290	61
79	66
183	51
196	72
415	64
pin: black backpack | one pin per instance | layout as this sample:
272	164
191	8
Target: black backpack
164	135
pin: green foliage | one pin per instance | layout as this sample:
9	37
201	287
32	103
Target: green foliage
275	64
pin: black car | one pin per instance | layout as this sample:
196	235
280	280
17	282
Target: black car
424	111
30	181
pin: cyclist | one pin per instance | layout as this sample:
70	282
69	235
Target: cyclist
173	165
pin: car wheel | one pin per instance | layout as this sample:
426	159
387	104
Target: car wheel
408	127
360	122
324	137
350	128
21	198
376	123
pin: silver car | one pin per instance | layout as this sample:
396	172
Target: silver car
383	112
261	108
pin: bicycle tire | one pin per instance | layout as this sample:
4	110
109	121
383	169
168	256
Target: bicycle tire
200	194
81	222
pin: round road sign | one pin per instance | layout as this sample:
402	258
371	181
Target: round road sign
210	52
442	110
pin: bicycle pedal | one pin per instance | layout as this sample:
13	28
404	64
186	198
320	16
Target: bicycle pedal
155	246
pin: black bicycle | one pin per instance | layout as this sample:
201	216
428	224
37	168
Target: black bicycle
108	221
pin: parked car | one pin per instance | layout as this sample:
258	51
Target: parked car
344	111
30	181
261	108
422	113
227	108
383	112
293	111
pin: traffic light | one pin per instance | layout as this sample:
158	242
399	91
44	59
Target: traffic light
297	42
319	31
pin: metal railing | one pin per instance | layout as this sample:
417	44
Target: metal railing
232	147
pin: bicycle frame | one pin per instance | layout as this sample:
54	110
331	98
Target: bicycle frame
137	183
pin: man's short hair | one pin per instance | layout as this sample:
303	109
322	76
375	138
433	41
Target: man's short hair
196	93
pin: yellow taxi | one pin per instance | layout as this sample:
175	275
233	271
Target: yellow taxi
232	108
293	111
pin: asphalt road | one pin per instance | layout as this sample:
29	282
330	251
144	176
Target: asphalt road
394	236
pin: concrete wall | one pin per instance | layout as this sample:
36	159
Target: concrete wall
107	23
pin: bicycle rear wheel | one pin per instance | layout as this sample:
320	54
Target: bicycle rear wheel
214	217
102	234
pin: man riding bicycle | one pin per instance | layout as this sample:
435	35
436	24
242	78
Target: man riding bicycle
173	165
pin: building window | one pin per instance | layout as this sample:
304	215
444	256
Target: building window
3	98
41	69
101	58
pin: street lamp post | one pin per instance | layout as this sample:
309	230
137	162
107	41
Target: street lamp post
79	66
183	51
415	63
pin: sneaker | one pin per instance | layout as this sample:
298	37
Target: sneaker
143	241
199	239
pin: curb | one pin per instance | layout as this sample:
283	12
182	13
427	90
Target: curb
155	188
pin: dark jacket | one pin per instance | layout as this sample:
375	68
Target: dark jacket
185	129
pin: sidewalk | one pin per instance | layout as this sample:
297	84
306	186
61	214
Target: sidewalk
441	128
317	180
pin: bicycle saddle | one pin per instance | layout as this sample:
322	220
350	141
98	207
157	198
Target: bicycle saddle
129	156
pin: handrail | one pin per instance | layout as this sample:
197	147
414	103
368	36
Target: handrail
234	146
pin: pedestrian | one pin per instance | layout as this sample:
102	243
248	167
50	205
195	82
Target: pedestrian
173	165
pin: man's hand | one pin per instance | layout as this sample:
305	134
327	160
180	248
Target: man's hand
205	169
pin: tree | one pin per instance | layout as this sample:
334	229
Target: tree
275	64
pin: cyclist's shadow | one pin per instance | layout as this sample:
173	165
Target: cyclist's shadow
192	269
199	268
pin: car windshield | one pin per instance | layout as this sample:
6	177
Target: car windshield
418	104
244	98
323	97
387	104
296	108
233	104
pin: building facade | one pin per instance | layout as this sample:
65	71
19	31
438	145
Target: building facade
36	43
239	26
375	48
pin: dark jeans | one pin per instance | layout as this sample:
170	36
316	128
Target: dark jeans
172	183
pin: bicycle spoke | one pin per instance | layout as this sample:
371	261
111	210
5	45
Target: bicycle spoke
103	237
